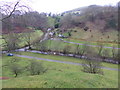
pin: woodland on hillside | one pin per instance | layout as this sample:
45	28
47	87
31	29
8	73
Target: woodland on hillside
93	17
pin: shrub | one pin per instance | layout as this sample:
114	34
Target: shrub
105	54
42	46
66	49
69	34
92	66
56	25
16	69
80	50
36	67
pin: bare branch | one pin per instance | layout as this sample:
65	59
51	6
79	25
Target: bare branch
11	11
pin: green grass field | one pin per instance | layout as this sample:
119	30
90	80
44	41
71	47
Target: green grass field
23	41
34	36
56	45
63	58
59	75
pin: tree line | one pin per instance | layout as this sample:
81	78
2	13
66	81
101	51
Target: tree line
102	17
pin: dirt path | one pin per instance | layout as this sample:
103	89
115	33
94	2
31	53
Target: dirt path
31	57
4	78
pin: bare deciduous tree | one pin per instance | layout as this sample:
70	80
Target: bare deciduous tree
80	50
115	53
42	46
9	8
10	12
66	49
27	38
105	53
11	41
100	49
92	66
16	69
36	67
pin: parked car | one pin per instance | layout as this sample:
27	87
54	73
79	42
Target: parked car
62	36
10	54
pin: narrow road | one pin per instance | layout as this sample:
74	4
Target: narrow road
31	57
82	44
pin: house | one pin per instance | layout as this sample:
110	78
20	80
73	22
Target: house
62	36
49	29
52	34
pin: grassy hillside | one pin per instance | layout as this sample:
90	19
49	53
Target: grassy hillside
33	35
51	21
59	75
93	23
94	37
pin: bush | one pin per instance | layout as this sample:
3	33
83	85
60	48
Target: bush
16	69
41	46
105	54
66	49
80	50
56	25
92	66
36	67
69	34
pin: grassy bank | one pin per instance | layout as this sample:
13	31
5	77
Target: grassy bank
59	75
64	58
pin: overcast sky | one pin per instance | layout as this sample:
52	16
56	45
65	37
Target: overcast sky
58	6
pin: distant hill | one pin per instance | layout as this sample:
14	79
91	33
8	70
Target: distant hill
79	9
93	16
